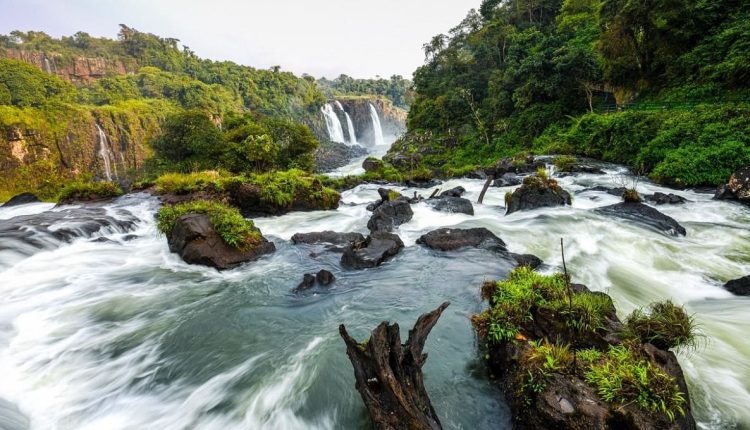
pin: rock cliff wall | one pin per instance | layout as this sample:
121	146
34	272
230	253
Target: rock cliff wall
77	70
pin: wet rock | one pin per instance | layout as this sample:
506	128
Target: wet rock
308	281
738	187
452	204
665	199
193	237
450	239
21	199
536	192
477	174
249	199
644	215
529	260
326	237
373	251
616	191
422	184
332	155
585	168
325	278
27	234
507	180
454	192
740	287
372	164
390	214
519	166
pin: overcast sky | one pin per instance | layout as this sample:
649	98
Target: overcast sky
323	38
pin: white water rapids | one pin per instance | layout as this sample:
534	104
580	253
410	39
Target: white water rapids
121	334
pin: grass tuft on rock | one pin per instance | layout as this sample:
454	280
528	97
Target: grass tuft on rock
665	325
186	183
83	191
564	163
235	230
283	187
631	196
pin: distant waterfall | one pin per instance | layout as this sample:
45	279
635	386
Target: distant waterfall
377	128
335	131
349	125
47	67
105	152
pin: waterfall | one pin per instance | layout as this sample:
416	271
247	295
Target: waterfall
377	128
335	131
105	152
47	67
349	125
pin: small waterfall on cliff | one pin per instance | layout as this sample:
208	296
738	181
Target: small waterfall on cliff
105	152
335	131
377	128
47	66
349	126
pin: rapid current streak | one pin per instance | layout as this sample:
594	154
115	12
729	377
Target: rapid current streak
112	331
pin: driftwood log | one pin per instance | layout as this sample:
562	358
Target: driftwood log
487	184
389	374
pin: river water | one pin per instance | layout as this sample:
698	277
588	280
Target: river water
121	334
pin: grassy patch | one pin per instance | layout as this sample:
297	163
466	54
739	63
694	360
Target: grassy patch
564	163
83	191
235	230
621	377
282	188
186	183
631	196
665	325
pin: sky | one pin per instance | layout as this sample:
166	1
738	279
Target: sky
359	38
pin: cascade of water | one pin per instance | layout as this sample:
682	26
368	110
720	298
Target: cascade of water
349	125
377	128
105	152
47	67
335	131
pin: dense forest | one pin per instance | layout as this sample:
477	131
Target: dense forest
397	89
160	107
661	86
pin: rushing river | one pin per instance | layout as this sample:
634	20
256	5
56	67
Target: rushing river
121	334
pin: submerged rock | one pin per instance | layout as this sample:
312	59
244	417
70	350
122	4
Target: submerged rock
390	214
616	191
507	180
373	251
193	237
323	278
537	192
450	239
740	287
665	199
326	237
454	192
645	215
452	204
738	187
21	199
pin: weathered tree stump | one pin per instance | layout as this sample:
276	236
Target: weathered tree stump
389	374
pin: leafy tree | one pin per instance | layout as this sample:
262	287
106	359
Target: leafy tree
190	141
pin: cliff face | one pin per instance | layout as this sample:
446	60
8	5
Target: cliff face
392	118
41	149
78	70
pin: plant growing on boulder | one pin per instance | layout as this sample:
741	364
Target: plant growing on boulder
282	188
631	196
235	230
665	325
87	191
565	163
186	183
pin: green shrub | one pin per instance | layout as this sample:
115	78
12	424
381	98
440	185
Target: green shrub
538	363
82	191
235	230
185	183
665	325
621	378
282	188
584	312
631	195
565	163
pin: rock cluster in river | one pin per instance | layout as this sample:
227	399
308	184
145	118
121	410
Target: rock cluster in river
451	201
373	251
537	192
194	238
390	212
323	278
738	187
645	215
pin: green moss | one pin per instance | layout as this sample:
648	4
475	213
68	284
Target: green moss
82	191
621	377
282	188
235	230
665	325
565	163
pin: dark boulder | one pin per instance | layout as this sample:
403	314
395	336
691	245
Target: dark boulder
372	164
21	199
645	215
326	237
529	260
476	174
430	183
586	168
454	192
738	187
450	239
373	251
193	237
740	287
308	281
323	278
507	180
665	199
537	192
452	204
332	155
390	214
616	191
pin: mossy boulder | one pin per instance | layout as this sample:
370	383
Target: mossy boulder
21	199
372	164
738	187
83	192
537	191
